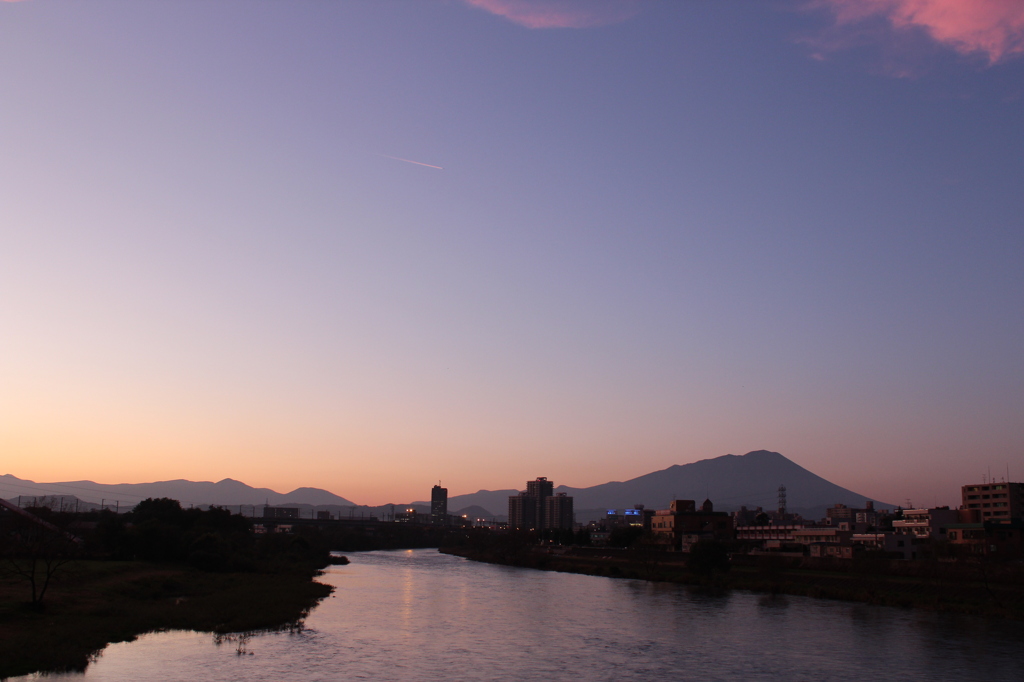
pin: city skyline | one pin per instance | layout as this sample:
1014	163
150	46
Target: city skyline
360	246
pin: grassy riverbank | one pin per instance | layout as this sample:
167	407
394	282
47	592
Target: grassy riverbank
94	603
983	590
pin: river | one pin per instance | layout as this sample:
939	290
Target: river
418	615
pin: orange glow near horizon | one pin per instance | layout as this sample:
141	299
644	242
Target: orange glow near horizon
663	235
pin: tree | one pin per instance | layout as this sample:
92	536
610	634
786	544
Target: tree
35	550
625	536
162	509
708	557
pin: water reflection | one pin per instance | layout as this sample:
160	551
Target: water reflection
419	615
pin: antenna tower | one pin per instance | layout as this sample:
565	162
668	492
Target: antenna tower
782	500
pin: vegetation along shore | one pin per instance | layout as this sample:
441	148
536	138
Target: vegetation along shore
72	585
976	588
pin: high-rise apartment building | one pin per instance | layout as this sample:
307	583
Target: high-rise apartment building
439	505
558	511
540	488
539	508
522	512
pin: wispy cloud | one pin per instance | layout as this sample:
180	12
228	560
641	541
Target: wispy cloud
991	28
561	13
418	163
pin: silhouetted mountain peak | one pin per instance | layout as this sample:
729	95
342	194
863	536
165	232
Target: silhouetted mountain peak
729	481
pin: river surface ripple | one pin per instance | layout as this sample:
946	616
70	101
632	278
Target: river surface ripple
419	615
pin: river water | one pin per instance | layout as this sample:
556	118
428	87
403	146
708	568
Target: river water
419	615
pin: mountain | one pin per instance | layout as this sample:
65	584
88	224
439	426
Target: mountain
228	492
485	503
729	481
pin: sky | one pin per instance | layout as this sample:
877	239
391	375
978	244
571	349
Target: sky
366	246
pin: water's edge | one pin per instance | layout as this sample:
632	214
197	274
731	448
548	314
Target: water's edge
937	592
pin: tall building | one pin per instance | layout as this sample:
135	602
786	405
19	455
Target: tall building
438	505
540	488
522	512
558	512
994	501
538	507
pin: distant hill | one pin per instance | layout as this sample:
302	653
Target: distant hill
484	503
730	481
228	492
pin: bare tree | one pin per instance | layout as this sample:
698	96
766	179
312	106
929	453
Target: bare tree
35	550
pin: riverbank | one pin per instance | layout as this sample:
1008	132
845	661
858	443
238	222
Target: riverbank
995	591
95	603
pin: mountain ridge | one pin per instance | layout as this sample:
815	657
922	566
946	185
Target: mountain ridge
227	491
729	481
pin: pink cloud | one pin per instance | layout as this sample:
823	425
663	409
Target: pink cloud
560	13
993	28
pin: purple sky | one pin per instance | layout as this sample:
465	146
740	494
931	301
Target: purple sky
657	232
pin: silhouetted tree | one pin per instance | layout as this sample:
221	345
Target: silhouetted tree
34	550
625	536
708	557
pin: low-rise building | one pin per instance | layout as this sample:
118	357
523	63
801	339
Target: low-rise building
858	520
826	542
988	538
926	524
682	518
890	543
769	537
637	516
1001	502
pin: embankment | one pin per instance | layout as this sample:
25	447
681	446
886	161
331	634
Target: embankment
978	588
95	603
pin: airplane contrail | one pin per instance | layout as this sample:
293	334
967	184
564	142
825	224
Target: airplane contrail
418	163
